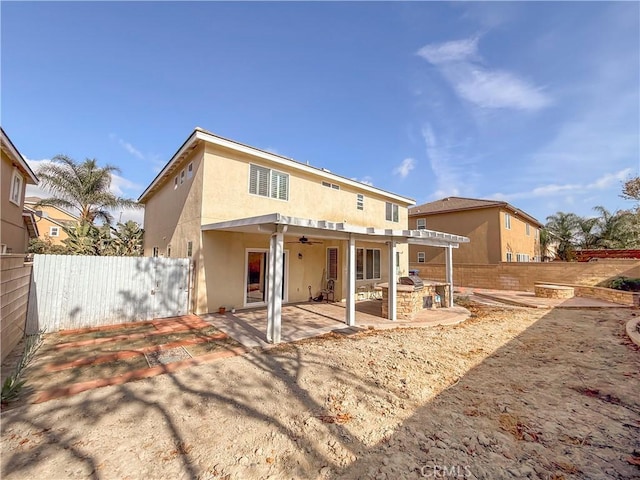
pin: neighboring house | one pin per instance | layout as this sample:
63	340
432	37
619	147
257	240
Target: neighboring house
499	232
50	220
263	229
18	225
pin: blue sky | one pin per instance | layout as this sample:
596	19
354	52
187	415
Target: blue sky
534	103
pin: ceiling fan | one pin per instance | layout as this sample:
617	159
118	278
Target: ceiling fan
305	241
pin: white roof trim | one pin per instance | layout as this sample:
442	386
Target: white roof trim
8	145
202	135
343	230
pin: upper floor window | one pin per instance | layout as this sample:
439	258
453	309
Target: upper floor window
421	224
268	183
507	221
175	182
360	201
181	177
155	252
190	170
391	212
509	257
54	231
16	187
527	229
522	257
331	185
421	257
189	248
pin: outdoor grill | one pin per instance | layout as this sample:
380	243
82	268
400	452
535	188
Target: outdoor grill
414	280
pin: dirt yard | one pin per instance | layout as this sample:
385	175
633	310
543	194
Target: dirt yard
511	393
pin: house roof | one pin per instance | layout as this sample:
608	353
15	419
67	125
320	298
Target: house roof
456	204
30	222
18	160
336	230
32	201
200	135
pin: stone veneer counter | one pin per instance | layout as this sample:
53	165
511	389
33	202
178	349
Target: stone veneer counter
411	299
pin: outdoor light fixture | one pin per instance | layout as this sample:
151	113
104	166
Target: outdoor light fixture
300	256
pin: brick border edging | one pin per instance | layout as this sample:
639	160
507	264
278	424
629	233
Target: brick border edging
139	374
632	330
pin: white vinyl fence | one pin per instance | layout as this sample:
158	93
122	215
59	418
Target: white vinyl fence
69	291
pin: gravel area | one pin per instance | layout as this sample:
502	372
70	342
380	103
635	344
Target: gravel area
511	393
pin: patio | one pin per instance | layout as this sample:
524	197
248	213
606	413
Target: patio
306	320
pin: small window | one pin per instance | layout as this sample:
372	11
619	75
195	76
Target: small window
332	263
189	249
175	183
522	257
54	231
155	251
331	185
190	170
527	229
168	251
391	212
421	224
360	201
507	221
181	177
421	257
16	187
509	257
537	233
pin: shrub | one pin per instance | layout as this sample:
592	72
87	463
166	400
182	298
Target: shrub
624	283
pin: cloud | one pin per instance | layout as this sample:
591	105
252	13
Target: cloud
456	50
443	164
405	167
127	146
459	62
604	182
367	180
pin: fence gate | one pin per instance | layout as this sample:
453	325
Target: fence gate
69	291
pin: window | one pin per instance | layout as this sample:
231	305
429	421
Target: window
268	183
332	263
372	264
331	185
507	221
175	183
3	249
181	177
391	212
16	187
168	251
189	249
155	252
421	258
359	264
509	257
54	231
522	257
421	224
190	170
537	233
527	229
360	201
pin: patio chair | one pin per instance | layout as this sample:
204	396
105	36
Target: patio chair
330	291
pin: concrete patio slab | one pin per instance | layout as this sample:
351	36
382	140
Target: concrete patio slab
307	320
529	300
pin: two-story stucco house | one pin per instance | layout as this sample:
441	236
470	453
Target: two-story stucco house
263	229
499	232
18	225
50	220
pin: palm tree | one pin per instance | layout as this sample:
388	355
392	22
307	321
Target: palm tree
586	237
546	239
563	226
82	188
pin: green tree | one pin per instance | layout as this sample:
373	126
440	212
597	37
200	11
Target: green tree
613	229
127	239
546	239
586	237
87	239
563	226
83	188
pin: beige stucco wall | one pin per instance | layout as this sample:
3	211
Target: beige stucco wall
12	232
219	190
515	240
44	222
489	239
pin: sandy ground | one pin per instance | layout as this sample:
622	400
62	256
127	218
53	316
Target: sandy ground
511	393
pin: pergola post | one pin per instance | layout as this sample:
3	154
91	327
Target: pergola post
392	280
274	290
449	272
351	281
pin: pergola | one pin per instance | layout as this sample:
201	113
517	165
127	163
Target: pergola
277	225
